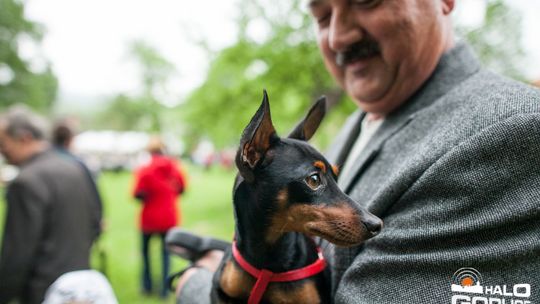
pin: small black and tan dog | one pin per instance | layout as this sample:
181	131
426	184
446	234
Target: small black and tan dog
286	193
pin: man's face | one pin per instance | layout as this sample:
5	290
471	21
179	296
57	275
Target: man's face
11	148
381	51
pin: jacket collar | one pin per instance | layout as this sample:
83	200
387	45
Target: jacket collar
455	66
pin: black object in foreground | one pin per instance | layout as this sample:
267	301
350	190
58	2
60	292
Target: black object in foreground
190	246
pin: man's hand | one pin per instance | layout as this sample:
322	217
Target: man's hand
209	260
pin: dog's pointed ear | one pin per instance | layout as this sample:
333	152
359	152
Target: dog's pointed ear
256	140
307	127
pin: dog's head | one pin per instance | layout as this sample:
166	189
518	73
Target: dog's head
297	184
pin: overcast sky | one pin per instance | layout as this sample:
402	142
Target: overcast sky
86	41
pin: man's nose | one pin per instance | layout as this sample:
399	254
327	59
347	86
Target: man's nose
343	31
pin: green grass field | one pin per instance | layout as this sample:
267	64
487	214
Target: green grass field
206	209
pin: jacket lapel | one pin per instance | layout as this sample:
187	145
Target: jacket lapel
346	139
389	128
446	76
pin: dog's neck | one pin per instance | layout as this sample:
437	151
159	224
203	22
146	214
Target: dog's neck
291	250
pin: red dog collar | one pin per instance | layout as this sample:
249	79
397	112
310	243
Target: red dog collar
265	276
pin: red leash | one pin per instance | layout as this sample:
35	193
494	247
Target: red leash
265	276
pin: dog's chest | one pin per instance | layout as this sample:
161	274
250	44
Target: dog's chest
237	284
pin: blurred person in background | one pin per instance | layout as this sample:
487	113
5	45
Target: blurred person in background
81	287
51	214
158	184
62	138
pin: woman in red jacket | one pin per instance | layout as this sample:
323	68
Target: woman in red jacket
157	185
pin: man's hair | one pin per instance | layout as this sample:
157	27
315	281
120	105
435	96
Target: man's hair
155	145
19	120
62	134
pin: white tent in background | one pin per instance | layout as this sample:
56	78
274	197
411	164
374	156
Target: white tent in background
113	150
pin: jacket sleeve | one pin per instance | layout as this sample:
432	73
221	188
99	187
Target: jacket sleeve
179	177
197	289
142	184
24	226
98	211
477	206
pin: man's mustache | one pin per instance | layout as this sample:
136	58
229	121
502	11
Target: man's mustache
359	50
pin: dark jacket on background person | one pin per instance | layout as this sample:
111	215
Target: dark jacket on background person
49	229
91	179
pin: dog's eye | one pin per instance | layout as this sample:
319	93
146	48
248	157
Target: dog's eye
313	181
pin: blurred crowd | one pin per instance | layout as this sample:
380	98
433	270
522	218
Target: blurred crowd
54	213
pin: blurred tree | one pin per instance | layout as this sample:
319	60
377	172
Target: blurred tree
275	49
124	113
22	80
497	41
156	70
142	110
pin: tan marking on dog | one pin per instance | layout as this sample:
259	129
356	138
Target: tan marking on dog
235	282
282	198
278	225
339	224
319	164
305	293
335	169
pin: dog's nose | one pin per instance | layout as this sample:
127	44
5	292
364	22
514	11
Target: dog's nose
373	225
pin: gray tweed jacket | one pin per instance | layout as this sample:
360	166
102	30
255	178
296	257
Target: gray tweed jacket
455	175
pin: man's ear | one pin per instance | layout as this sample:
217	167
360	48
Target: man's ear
307	127
256	140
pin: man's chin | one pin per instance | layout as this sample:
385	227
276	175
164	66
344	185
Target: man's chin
364	93
369	96
377	105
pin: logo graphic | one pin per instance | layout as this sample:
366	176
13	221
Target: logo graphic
467	289
467	280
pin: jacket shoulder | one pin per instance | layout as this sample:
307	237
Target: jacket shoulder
492	94
48	167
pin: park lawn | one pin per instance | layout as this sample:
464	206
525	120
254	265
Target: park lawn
206	209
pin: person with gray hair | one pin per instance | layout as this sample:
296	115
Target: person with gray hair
50	220
25	134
